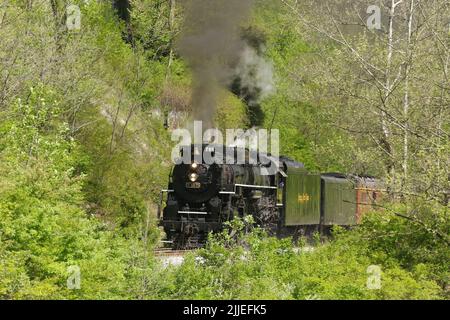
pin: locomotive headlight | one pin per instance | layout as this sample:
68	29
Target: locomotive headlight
194	165
193	177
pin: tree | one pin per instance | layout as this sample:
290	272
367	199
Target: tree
382	83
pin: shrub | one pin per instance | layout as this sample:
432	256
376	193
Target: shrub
249	265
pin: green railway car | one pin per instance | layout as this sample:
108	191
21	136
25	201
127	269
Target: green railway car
302	198
322	200
338	201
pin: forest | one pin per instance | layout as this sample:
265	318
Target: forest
90	91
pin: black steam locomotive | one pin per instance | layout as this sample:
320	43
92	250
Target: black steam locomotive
280	194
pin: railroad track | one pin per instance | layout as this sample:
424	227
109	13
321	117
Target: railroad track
170	253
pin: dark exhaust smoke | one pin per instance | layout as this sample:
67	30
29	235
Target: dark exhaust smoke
211	43
223	54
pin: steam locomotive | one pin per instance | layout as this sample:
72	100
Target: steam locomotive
280	194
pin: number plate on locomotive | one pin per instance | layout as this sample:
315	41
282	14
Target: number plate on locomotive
193	185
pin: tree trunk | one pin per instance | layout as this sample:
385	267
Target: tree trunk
387	92
171	28
406	97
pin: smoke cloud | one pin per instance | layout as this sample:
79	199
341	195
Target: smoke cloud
213	45
253	81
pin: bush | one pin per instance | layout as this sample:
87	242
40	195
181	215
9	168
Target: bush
43	227
240	265
417	240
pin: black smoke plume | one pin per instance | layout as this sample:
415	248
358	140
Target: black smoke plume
219	56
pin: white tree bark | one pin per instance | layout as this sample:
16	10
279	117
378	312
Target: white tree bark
388	84
408	64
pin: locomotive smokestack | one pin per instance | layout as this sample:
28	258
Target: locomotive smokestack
212	46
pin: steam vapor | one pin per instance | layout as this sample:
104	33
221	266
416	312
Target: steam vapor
253	81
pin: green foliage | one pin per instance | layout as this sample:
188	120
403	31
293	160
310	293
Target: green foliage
43	227
152	26
246	264
418	240
300	123
231	112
